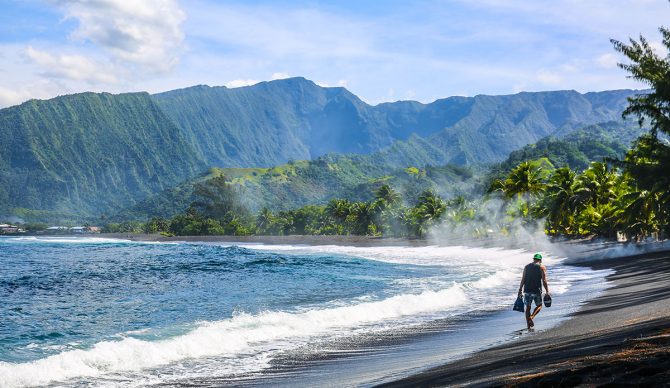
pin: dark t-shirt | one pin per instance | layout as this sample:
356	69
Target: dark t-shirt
533	281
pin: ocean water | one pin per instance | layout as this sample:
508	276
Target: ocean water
102	312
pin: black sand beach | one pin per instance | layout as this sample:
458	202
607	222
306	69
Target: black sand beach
621	338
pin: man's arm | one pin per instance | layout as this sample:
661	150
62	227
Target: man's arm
523	280
544	278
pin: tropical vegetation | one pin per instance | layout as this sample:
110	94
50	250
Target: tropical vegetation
562	189
83	156
592	176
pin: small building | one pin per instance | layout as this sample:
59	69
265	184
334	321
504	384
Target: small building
9	229
93	229
84	229
56	230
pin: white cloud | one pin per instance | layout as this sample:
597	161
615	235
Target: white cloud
573	66
144	33
607	61
659	48
465	48
519	87
549	78
116	46
18	82
281	75
238	83
410	95
324	84
279	32
10	97
73	67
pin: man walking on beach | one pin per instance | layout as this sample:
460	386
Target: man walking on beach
534	276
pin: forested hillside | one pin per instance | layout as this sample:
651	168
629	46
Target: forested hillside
299	183
606	141
356	177
88	154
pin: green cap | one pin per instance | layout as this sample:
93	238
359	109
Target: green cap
537	256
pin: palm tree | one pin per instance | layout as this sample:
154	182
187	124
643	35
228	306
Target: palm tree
601	220
595	185
339	209
526	181
642	212
361	217
428	210
560	195
596	200
386	194
285	223
649	160
385	207
526	178
459	209
264	220
648	164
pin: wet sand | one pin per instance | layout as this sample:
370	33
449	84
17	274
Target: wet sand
620	338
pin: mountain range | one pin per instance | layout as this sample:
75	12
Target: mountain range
272	122
91	154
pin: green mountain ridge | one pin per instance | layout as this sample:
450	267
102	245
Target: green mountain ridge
272	122
506	123
89	153
93	154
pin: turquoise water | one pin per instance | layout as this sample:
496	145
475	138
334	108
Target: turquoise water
113	312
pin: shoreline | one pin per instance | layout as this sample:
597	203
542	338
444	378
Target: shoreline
620	337
272	240
583	249
623	336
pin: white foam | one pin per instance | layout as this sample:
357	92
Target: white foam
240	334
426	255
67	240
494	273
498	279
504	265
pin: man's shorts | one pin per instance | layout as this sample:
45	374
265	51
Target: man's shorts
530	298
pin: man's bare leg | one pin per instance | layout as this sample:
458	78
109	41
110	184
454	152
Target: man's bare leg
535	312
529	320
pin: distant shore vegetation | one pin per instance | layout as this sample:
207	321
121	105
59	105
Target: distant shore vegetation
607	199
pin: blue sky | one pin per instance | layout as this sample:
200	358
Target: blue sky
380	50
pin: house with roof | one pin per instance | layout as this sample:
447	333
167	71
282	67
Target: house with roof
56	230
9	229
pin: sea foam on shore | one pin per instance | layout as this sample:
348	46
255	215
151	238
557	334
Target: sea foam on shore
413	287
